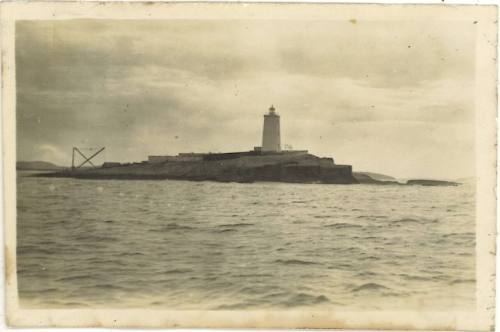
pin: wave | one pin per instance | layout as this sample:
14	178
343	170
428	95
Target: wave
74	304
405	220
367	274
371	217
47	290
303	299
177	271
106	262
107	286
275	295
253	275
256	289
371	286
370	258
415	277
131	254
242	224
74	278
414	221
171	227
466	234
95	238
342	266
225	230
236	306
34	249
463	281
156	303
46	243
372	238
295	262
343	225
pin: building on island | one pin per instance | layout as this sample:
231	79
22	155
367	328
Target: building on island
263	163
271	132
271	144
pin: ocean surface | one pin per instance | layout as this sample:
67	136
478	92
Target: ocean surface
208	245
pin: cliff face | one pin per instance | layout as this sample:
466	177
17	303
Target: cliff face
288	173
304	168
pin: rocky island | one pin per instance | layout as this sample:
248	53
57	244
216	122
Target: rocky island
264	163
225	167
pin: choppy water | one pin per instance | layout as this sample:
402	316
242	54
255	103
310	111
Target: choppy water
206	245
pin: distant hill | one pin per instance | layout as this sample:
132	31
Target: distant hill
37	166
374	176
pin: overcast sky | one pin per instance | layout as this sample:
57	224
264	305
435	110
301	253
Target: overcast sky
391	97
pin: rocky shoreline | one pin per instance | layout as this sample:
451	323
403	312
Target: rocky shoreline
291	168
304	168
366	179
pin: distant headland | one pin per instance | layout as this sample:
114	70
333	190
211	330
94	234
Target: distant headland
267	162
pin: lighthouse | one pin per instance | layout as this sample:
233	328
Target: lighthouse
271	133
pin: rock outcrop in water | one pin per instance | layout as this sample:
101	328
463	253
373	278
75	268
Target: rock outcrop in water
365	178
279	167
431	183
375	176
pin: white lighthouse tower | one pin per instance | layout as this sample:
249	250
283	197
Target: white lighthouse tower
271	134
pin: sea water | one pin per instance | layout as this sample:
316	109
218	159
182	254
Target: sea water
207	245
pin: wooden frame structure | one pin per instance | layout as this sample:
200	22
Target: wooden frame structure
86	159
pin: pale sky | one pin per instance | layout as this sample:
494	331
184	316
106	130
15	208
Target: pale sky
395	97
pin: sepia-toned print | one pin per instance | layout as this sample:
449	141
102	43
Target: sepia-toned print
251	160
